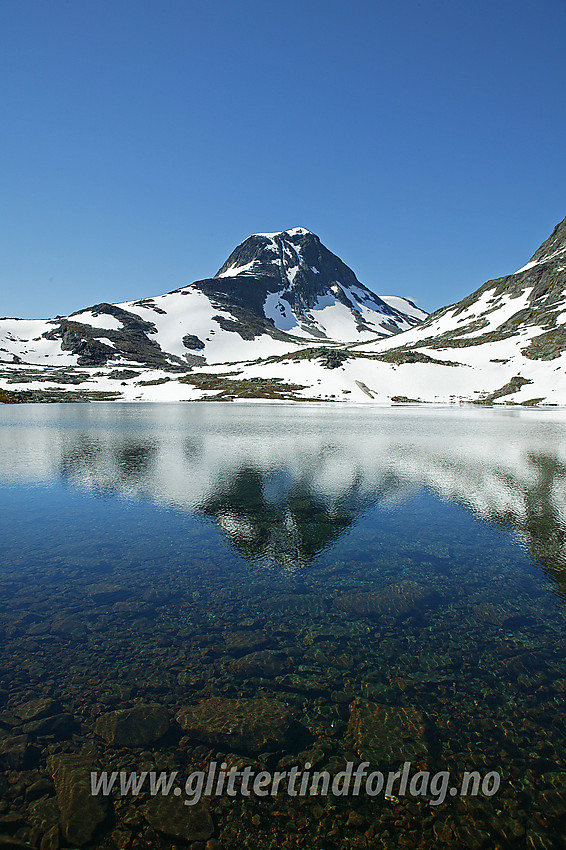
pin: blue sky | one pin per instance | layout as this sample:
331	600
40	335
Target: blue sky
143	140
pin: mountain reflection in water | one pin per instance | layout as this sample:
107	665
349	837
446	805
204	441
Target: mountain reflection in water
284	482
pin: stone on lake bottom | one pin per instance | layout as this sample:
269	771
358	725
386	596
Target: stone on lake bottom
133	727
13	751
244	641
50	840
81	813
34	709
265	663
244	725
387	736
170	816
395	600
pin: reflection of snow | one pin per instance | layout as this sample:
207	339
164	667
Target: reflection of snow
505	466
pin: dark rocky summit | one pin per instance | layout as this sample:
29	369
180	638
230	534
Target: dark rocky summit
297	265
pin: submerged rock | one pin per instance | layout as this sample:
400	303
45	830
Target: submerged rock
44	813
13	752
397	599
59	725
50	840
81	813
134	727
170	816
70	627
386	735
497	615
266	663
245	641
34	709
105	593
244	725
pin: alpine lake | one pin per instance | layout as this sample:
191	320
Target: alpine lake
282	586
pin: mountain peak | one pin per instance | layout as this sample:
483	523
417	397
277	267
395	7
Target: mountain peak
295	283
268	254
293	231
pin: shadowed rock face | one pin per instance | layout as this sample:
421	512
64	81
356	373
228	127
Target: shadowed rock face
95	346
273	258
297	265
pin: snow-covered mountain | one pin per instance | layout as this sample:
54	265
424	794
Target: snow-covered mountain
274	292
285	319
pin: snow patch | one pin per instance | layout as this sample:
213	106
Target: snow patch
279	311
102	320
234	271
404	306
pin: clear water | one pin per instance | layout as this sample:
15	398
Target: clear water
392	558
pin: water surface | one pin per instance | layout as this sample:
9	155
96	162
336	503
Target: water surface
328	558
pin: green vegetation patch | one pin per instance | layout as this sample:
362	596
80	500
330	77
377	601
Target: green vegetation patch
400	356
153	383
228	386
531	402
123	374
54	396
41	376
331	358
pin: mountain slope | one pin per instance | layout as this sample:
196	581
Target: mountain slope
531	303
509	336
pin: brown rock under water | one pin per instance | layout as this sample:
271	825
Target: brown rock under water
386	735
81	813
397	599
244	725
170	816
134	727
265	663
35	709
244	641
